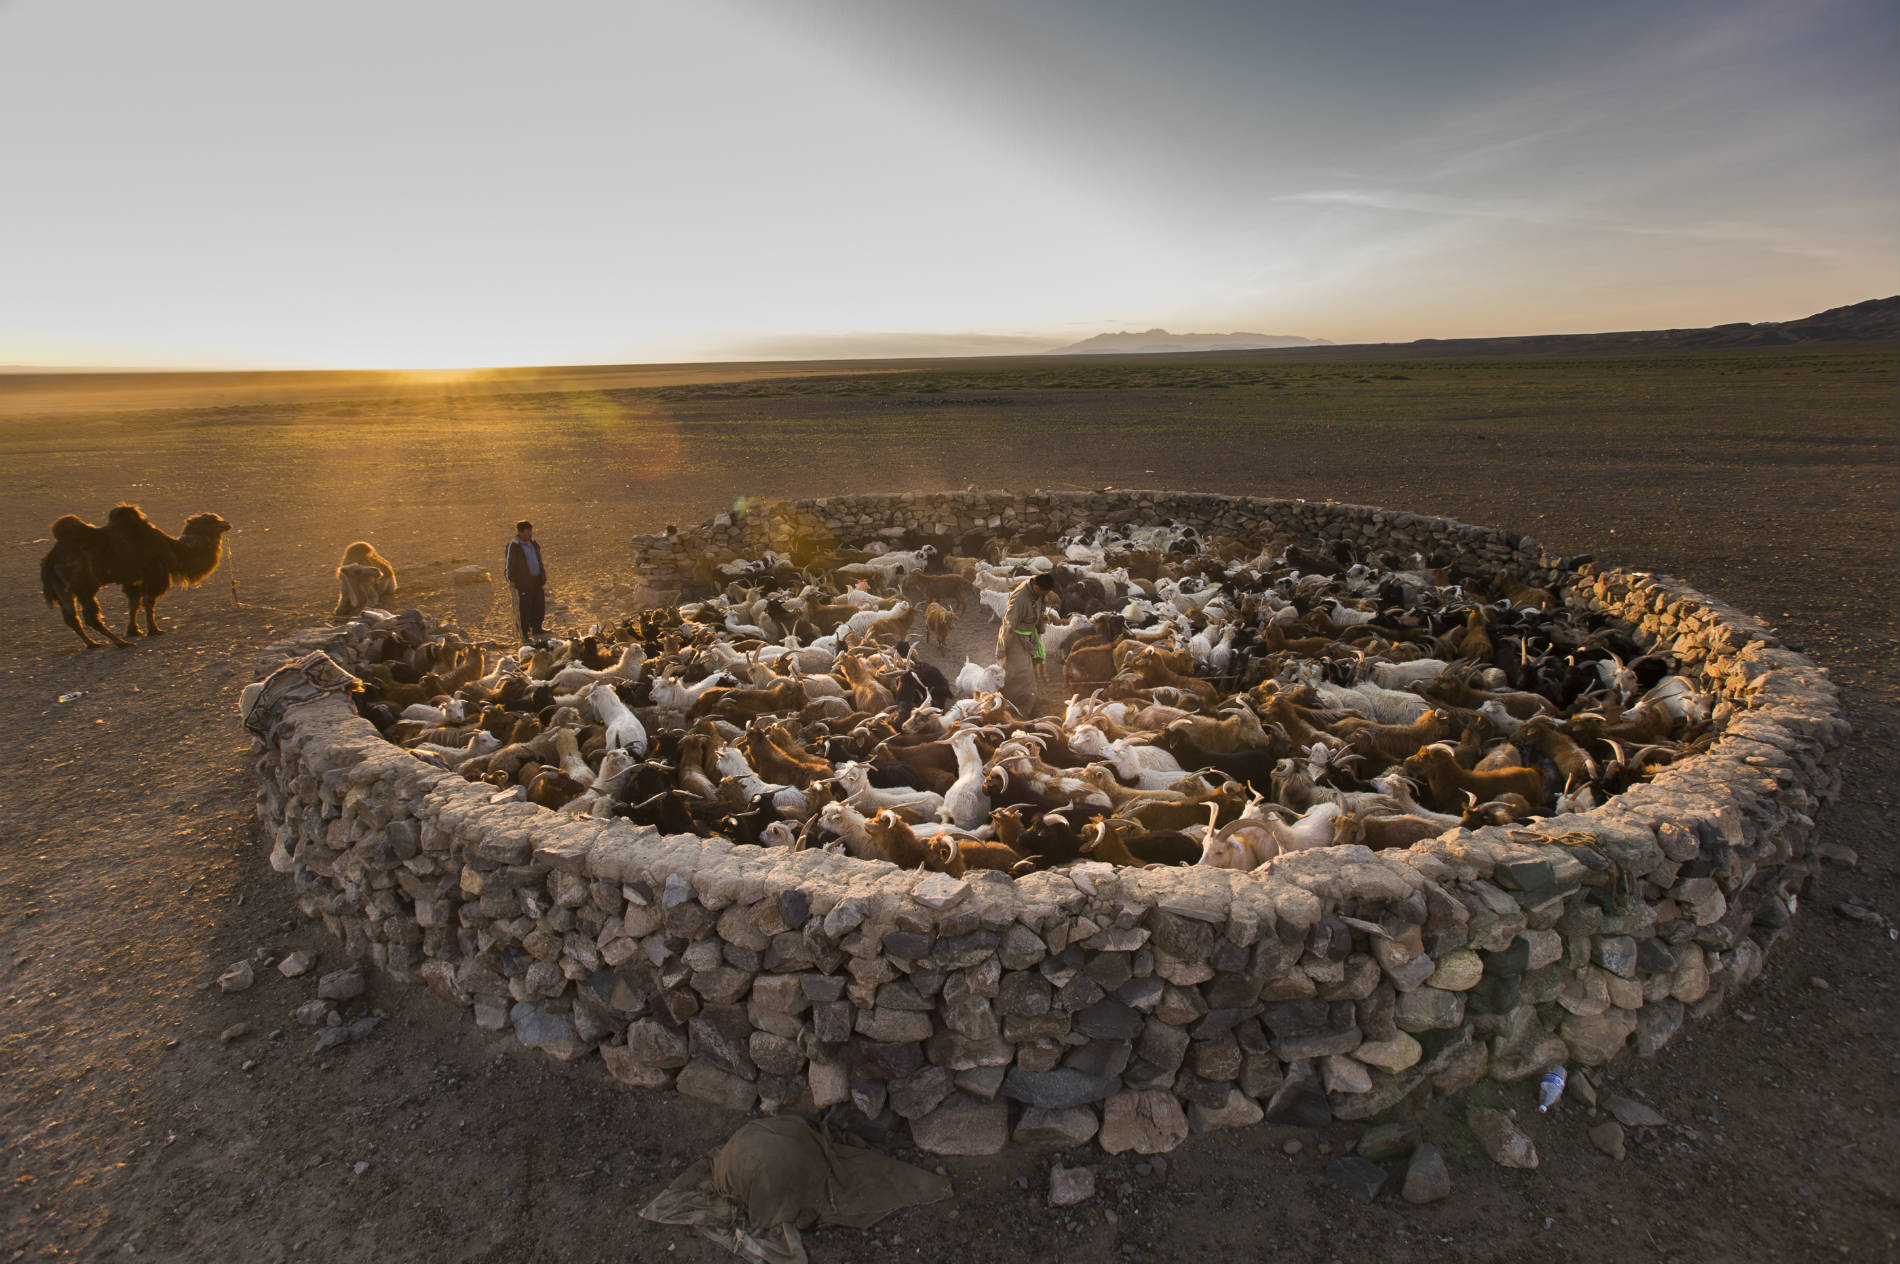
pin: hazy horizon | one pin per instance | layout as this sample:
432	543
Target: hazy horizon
814	348
221	185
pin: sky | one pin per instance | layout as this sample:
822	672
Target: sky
422	184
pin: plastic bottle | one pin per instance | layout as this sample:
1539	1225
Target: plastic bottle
1550	1087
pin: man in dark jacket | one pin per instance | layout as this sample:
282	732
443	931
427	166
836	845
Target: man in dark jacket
528	577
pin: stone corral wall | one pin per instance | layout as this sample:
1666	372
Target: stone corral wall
1127	1005
944	518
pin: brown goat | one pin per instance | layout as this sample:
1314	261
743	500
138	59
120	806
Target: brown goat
1149	670
1274	640
1226	803
948	588
957	857
1503	810
1293	720
1103	633
1475	641
893	840
1120	841
893	627
1646	723
1128	649
1235	731
1383	833
777	756
1455	692
867	692
1557	746
1446	784
740	704
1392	743
1520	594
937	625
1088	666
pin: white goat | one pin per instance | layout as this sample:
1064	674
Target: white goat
615	767
1213	656
808	659
1170	591
1019	757
1400	788
482	743
848	824
1399	675
973	680
1313	829
863	619
731	763
964	803
1345	616
1385	706
738	628
1058	635
669	693
1145	767
567	748
1679	696
624	730
451	712
573	676
1493	710
778	834
913	805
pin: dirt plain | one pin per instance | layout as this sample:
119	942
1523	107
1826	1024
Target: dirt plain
130	876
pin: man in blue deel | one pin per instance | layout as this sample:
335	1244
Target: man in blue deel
528	576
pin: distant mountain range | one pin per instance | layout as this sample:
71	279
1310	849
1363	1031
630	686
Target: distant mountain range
1162	340
1876	320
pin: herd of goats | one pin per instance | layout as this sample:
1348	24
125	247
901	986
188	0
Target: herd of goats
1224	705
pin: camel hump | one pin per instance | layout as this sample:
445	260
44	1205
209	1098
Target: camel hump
68	528
124	515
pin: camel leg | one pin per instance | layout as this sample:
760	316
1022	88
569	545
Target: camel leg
89	606
131	592
69	615
151	620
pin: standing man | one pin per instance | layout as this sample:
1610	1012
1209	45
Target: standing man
528	576
1019	641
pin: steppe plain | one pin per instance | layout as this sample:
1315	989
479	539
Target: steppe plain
130	876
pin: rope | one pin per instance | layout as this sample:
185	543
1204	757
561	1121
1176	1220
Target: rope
230	571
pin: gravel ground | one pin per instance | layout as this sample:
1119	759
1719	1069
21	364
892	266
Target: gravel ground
145	1114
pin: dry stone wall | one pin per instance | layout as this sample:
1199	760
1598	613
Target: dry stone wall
670	559
1127	1006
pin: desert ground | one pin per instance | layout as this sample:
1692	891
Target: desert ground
130	875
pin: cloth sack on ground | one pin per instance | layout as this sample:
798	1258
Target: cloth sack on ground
776	1176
